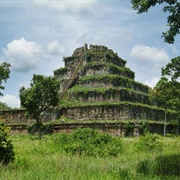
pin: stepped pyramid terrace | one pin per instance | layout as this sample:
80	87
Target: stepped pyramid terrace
95	84
98	91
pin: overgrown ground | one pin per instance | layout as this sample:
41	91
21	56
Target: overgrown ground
56	157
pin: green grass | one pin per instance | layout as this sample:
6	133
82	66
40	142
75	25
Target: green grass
45	159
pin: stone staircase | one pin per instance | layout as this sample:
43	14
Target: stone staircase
74	75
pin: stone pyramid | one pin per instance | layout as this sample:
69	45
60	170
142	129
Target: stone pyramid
96	85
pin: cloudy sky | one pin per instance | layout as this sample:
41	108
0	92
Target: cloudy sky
36	34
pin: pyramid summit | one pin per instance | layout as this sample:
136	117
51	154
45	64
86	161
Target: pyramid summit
95	84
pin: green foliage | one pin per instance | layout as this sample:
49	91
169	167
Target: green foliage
90	142
116	80
79	93
143	167
112	68
45	159
138	110
149	142
167	92
4	106
173	20
129	128
122	71
172	69
60	71
6	148
143	128
167	165
163	166
4	74
40	98
106	56
45	129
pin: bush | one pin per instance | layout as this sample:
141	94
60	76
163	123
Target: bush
144	128
45	128
6	147
149	142
129	128
90	142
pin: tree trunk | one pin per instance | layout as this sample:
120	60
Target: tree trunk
39	127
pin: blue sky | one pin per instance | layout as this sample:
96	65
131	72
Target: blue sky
35	35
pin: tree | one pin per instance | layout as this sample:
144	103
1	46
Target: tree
40	98
173	20
4	74
172	69
167	91
4	106
167	94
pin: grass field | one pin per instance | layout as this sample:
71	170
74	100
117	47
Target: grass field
143	158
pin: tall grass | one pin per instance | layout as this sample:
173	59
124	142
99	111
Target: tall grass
46	159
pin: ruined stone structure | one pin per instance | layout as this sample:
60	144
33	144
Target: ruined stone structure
97	90
95	84
15	116
113	128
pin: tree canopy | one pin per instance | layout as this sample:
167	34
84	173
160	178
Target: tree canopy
167	90
172	69
4	106
4	74
40	97
173	20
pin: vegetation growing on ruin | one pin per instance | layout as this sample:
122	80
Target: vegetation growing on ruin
112	68
4	106
103	81
118	103
124	94
116	81
104	56
60	71
139	110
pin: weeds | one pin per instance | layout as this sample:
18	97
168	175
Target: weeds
164	166
48	159
90	142
149	142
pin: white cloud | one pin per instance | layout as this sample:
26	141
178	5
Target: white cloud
54	48
173	48
22	54
75	6
25	84
149	54
147	62
152	82
10	100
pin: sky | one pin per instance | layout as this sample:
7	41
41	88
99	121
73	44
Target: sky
35	35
